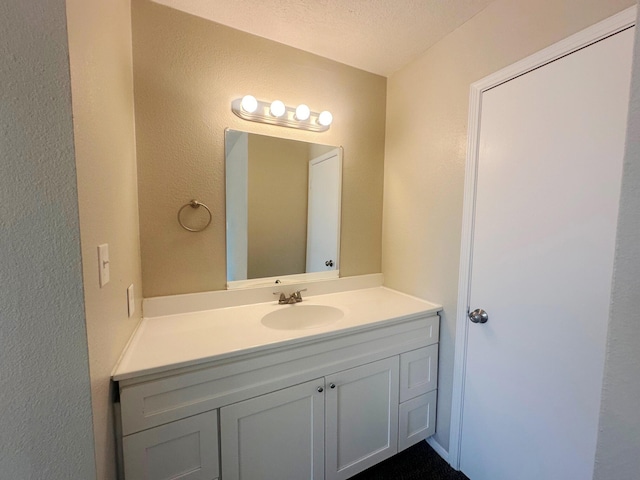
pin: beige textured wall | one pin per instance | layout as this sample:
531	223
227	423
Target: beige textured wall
102	96
315	150
277	233
427	108
186	73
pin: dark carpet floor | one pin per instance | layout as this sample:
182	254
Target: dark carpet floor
419	462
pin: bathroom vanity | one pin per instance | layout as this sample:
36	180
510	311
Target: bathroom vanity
321	389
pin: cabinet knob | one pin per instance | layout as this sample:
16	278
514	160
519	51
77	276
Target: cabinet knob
333	385
320	389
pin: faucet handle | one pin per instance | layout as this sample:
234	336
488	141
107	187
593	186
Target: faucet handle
297	295
283	297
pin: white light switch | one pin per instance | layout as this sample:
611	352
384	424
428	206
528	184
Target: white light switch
103	264
131	301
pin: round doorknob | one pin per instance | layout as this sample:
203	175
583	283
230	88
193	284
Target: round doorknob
479	316
320	389
332	386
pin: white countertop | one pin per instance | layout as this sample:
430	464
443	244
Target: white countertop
167	342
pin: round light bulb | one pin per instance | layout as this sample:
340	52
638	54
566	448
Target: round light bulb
249	103
325	118
277	108
302	112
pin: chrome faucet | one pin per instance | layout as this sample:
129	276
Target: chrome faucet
295	297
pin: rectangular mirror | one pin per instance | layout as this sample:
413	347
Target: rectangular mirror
283	209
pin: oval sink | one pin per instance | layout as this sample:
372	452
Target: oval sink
301	317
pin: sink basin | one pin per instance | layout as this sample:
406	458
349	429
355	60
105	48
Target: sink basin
302	317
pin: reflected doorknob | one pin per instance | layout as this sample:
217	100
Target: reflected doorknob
479	316
329	263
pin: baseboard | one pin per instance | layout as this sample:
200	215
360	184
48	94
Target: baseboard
438	448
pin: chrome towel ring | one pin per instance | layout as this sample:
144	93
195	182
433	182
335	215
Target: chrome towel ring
194	204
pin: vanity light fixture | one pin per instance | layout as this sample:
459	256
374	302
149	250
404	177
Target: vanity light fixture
277	113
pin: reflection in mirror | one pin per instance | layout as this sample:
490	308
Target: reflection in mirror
283	209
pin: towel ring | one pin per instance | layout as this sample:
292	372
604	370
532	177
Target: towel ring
194	204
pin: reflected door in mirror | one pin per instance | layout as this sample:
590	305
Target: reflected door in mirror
324	208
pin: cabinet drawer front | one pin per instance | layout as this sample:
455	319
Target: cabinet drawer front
279	435
417	419
185	450
418	372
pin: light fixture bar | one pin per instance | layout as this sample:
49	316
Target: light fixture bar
262	114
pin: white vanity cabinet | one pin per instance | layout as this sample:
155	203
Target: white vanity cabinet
326	407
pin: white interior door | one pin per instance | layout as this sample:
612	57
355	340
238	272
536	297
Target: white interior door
323	219
548	185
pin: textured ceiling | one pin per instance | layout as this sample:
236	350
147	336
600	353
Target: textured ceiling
379	36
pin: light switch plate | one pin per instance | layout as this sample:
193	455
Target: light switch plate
131	301
103	264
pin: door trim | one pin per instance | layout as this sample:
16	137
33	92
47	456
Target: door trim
599	31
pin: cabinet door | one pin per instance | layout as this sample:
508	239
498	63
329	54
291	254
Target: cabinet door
279	435
362	417
186	449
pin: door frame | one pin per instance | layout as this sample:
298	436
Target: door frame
599	31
